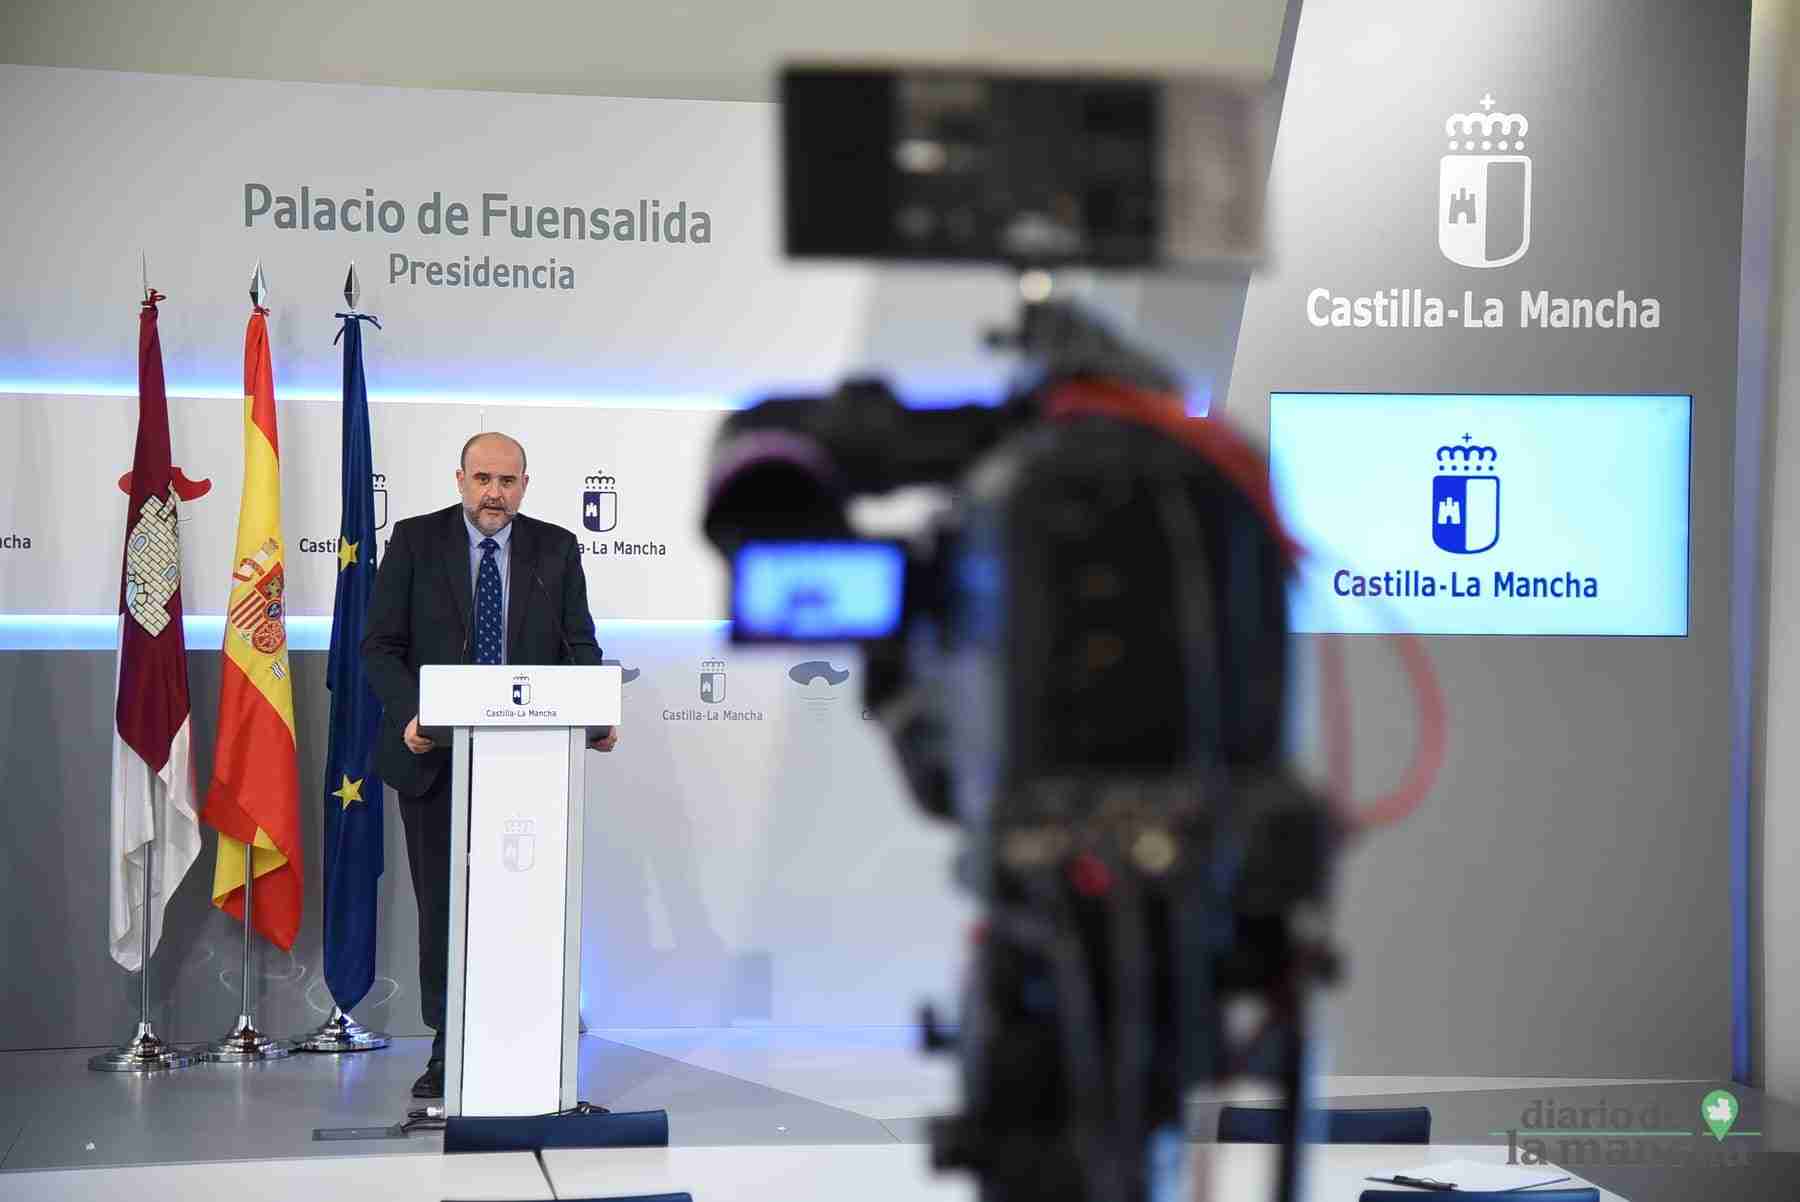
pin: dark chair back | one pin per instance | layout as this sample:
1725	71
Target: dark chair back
1262	1125
532	1133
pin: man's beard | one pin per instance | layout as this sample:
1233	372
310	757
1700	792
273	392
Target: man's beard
475	515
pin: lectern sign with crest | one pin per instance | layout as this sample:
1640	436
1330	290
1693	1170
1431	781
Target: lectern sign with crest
1484	189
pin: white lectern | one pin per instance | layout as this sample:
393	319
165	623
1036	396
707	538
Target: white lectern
517	785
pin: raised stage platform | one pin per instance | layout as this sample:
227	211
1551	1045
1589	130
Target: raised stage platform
802	1088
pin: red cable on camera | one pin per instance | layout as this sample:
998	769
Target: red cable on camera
1428	755
1246	468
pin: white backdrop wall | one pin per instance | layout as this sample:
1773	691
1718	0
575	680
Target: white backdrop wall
752	860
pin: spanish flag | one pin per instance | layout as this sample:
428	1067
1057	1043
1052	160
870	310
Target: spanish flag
254	799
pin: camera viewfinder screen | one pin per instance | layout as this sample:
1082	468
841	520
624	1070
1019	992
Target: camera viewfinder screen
817	591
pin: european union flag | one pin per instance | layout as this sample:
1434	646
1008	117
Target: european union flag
353	799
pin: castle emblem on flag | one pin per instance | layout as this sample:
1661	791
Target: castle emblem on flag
1484	188
257	615
1465	499
152	564
600	503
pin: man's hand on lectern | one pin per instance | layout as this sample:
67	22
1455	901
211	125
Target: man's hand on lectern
605	742
416	743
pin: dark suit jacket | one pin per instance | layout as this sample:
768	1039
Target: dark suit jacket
423	612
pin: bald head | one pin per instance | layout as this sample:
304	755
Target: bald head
492	436
492	480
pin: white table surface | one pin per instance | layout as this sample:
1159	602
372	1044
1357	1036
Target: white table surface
468	1177
901	1172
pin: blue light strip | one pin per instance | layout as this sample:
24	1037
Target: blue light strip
933	398
648	400
206	632
100	632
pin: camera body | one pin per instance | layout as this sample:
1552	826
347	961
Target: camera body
1086	673
1079	656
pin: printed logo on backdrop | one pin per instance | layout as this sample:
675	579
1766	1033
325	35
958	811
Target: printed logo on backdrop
819	685
521	689
1465	499
331	546
712	681
1484	220
712	693
379	481
600	515
1484	197
600	503
518	844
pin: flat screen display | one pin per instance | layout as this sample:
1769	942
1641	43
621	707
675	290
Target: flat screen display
1485	514
818	592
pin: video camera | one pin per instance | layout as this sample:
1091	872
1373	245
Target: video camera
1079	650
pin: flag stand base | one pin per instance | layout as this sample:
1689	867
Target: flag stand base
145	1053
341	1033
245	1044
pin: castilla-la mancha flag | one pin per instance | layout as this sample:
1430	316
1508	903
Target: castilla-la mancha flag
254	800
154	827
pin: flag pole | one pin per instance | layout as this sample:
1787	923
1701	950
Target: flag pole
144	1052
341	1032
245	1043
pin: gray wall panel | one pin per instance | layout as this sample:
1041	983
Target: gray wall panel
1561	903
59	987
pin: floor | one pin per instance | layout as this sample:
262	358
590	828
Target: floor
748	1086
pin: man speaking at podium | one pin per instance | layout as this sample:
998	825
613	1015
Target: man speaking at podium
473	583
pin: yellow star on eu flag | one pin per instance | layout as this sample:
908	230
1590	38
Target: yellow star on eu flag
346	553
349	791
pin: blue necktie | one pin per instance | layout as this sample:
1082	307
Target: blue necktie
487	605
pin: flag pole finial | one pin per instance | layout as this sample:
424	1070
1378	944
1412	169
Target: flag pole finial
259	286
352	287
